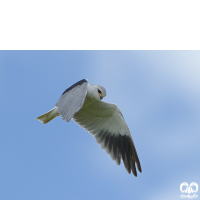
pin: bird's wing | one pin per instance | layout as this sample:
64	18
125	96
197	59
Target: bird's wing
72	99
106	123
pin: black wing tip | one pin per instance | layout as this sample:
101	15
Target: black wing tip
76	84
122	146
129	155
137	161
139	166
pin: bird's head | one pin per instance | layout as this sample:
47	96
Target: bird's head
101	91
96	91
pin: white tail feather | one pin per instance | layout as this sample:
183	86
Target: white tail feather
45	118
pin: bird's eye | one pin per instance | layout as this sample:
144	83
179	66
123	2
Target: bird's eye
99	91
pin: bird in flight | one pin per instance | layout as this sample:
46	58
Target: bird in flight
82	103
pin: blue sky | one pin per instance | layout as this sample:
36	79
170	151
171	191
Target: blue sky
158	93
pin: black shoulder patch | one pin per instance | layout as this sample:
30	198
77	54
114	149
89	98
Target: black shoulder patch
76	84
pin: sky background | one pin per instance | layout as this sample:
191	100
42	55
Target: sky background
158	93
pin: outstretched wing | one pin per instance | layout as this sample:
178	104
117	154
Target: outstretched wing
106	123
72	100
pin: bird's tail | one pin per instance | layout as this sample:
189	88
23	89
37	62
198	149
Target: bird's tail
45	118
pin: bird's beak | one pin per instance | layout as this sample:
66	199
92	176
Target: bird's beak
101	97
